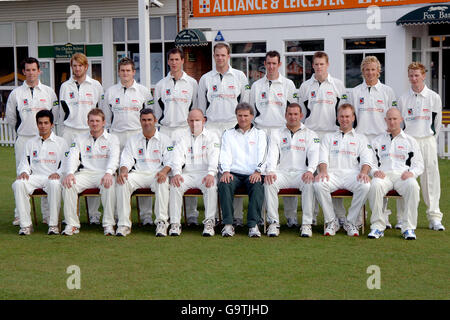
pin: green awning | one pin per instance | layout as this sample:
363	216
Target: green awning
190	37
427	15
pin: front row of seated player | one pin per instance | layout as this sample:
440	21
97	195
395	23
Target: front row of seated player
292	157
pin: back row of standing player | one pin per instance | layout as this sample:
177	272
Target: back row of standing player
217	94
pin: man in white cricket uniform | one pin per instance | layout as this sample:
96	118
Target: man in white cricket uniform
121	104
40	167
320	96
145	163
345	161
21	108
219	91
269	96
372	99
77	96
399	164
175	96
91	163
292	160
242	160
422	112
194	165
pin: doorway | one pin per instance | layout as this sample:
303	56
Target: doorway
62	74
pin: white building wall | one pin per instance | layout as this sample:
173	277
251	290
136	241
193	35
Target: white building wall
332	26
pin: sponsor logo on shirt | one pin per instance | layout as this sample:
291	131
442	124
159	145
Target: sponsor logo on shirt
169	148
330	93
184	91
426	110
72	145
380	101
103	147
42	100
134	101
156	151
88	94
231	87
352	144
316	140
280	94
66	154
401	147
51	153
251	143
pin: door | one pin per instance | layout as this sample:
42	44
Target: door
62	74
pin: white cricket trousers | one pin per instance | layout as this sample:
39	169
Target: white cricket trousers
408	189
86	180
145	203
138	180
430	180
174	133
24	188
289	180
218	128
342	180
69	135
19	149
193	180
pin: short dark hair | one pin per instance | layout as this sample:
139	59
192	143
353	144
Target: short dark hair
220	45
346	106
124	61
244	106
294	105
30	60
43	114
273	54
147	111
176	51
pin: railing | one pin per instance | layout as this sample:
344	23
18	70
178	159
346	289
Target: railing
8	136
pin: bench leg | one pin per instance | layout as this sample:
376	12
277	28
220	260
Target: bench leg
87	210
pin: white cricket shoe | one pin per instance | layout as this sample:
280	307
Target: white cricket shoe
306	231
123	231
254	232
26	231
53	230
273	230
208	230
228	231
175	229
161	229
109	231
436	225
70	230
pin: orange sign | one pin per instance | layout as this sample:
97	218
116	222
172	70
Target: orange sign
209	8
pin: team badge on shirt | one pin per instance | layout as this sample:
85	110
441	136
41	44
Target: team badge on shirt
88	149
71	95
25	102
140	151
35	153
263	95
313	94
410	111
383	147
285	140
335	143
117	100
361	100
168	92
214	88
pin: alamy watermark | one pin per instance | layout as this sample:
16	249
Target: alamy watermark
374	281
74	280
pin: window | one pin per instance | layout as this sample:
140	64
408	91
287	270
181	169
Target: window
249	58
416	49
163	31
13	50
355	50
298	59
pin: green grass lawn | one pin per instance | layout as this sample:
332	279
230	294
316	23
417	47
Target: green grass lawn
142	266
